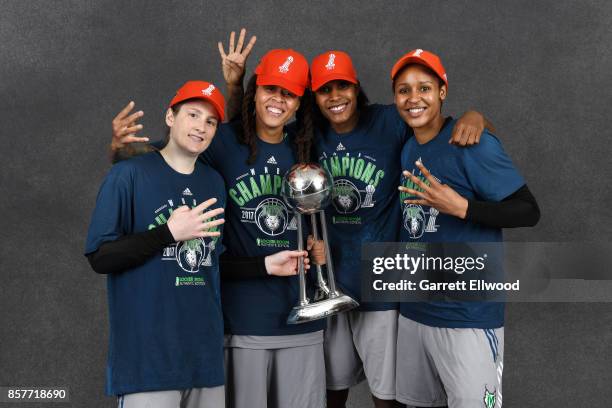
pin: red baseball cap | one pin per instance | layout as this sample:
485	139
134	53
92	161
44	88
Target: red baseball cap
332	65
201	90
421	57
285	68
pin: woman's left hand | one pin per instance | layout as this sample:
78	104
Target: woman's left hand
437	195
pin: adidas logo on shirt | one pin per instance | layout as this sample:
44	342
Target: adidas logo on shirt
187	192
271	160
340	147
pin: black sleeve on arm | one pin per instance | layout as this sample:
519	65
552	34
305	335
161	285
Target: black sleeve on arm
242	267
519	209
129	251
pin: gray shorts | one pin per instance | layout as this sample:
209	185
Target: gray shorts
437	366
213	397
361	345
262	374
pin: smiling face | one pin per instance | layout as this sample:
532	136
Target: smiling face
337	101
193	126
418	97
274	106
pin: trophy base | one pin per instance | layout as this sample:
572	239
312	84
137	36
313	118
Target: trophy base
318	310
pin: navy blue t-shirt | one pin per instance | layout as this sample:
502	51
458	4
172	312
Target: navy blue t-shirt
482	172
258	223
166	326
365	165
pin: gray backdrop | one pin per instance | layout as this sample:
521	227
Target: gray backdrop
540	70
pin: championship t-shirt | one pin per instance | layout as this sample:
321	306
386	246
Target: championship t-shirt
365	165
482	172
166	326
258	223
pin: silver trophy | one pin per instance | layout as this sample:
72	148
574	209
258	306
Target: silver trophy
307	189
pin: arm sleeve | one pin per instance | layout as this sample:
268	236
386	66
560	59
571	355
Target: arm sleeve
129	251
242	267
519	209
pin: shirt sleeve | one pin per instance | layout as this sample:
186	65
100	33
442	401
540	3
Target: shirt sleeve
395	122
489	170
112	216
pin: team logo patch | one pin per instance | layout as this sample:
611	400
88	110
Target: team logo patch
346	198
418	52
285	67
208	91
271	216
414	220
193	253
489	398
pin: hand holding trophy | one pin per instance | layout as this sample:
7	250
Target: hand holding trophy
307	189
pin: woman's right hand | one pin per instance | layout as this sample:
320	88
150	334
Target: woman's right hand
234	62
125	128
186	224
284	263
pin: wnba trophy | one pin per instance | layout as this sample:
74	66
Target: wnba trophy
307	189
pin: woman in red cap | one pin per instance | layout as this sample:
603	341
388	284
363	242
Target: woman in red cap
359	144
154	234
269	363
450	352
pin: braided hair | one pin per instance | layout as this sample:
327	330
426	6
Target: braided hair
302	142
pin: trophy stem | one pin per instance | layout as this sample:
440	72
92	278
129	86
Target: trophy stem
330	267
302	277
315	233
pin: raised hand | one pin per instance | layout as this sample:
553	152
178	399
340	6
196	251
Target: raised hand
284	263
234	62
186	223
437	195
125	127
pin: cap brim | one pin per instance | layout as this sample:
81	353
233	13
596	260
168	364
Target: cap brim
332	77
282	82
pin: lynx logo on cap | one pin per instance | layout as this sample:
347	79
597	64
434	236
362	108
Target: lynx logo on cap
208	91
330	62
421	57
200	90
285	67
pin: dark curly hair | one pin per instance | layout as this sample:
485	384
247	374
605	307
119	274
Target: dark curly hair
302	141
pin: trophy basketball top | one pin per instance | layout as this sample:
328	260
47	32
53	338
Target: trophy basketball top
307	188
